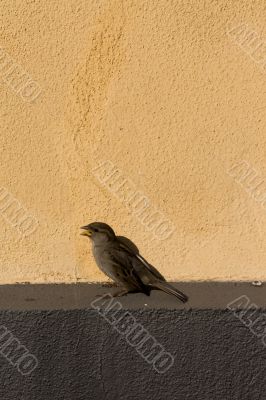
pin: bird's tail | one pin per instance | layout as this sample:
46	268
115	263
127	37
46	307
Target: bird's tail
167	288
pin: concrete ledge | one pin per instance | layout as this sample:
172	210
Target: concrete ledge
202	295
82	353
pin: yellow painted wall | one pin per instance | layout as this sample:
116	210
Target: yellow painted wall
160	93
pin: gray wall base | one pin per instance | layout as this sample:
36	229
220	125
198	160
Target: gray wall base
82	357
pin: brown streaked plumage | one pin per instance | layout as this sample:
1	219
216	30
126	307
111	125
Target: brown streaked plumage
120	260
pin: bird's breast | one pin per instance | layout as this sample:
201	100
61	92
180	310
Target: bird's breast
104	264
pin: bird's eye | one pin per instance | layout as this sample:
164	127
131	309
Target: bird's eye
96	230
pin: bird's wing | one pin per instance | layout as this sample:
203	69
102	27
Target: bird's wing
130	247
134	271
127	244
123	264
152	278
150	267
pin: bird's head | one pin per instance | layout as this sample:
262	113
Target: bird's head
99	232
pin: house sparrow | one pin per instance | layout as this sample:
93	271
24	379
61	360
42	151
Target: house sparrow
120	260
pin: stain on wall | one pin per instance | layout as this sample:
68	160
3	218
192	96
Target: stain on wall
144	110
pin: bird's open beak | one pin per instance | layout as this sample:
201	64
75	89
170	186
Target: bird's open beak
87	231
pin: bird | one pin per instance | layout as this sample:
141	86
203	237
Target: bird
119	258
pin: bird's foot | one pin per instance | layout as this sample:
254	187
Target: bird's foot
101	295
109	294
109	284
120	293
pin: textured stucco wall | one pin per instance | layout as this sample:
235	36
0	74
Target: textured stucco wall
158	90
